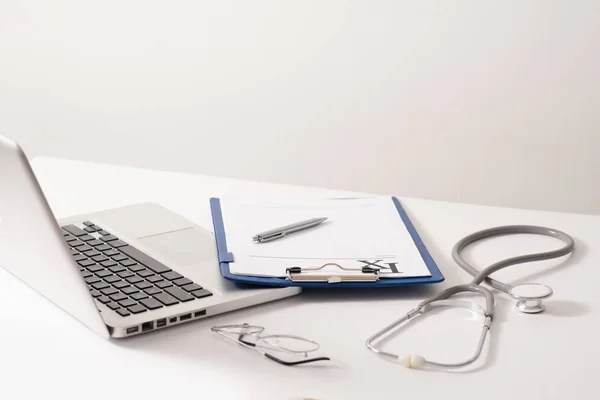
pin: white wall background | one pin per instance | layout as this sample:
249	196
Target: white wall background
493	102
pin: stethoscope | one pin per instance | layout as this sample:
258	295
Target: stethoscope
529	296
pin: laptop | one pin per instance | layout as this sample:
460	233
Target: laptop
121	272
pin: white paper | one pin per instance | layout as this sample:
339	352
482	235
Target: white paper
356	233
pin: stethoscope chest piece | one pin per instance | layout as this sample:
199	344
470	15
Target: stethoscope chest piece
529	297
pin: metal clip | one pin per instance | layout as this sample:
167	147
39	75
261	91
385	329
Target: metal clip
299	274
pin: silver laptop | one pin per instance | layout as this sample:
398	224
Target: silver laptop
121	272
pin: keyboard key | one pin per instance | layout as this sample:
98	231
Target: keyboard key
92	279
136	309
88	223
125	274
182	281
86	274
165	299
134	279
100	257
80	257
84	248
144	259
163	284
100	285
73	230
201	293
191	287
95	293
123	312
117	268
143	285
113	306
94	268
85	263
152	291
129	289
179	294
108	263
139	296
127	303
151	304
102	247
111	278
145	273
117	243
136	267
103	232
103	274
76	243
65	234
109	238
86	238
109	290
89	229
121	285
118	257
127	262
92	253
154	278
118	297
103	299
95	242
111	252
74	252
172	275
70	239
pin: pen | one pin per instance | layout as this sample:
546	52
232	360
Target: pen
280	232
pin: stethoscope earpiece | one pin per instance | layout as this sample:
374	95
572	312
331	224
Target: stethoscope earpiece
530	297
414	361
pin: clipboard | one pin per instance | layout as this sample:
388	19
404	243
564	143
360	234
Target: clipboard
370	276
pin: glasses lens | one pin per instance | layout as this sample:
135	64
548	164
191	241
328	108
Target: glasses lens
291	344
242	329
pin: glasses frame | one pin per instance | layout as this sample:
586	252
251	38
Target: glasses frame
256	332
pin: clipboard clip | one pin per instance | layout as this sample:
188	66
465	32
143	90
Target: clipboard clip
364	274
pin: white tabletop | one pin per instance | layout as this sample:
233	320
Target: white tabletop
546	356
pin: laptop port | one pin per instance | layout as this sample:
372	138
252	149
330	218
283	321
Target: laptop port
161	322
172	320
147	326
131	330
185	317
199	313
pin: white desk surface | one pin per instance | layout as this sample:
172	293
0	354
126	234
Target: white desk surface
552	355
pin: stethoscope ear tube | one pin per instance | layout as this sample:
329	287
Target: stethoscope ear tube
417	361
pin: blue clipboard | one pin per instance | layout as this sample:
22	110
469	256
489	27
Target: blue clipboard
225	257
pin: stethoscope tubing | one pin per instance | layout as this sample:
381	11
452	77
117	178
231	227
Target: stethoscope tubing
484	275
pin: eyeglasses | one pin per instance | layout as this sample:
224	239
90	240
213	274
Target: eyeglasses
252	336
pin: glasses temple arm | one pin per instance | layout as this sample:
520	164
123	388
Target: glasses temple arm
292	363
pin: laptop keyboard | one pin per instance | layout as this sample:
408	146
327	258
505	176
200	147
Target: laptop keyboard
127	280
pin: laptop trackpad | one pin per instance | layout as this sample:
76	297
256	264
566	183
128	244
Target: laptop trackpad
183	247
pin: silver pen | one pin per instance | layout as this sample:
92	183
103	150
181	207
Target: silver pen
280	232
